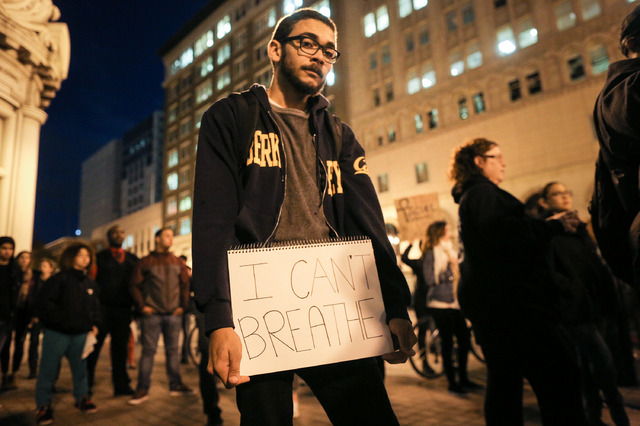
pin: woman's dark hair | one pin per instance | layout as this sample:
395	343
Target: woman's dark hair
435	232
71	251
286	23
547	188
463	165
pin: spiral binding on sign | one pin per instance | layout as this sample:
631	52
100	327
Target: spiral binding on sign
284	245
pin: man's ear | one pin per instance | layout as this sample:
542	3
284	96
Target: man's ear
633	45
275	51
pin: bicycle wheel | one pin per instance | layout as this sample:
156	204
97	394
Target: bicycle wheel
194	348
427	361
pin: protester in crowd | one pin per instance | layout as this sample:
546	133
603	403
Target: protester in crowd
507	292
615	205
44	271
160	289
438	272
10	280
19	325
328	194
114	271
69	310
587	294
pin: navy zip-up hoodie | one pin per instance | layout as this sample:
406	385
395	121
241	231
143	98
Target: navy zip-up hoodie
240	205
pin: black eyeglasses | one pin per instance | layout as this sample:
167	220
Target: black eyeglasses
497	157
311	47
567	193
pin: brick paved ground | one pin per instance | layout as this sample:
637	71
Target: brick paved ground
416	401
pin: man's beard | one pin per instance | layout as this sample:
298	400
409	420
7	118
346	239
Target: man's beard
289	74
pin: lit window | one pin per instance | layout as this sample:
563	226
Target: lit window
268	20
224	79
575	65
172	206
590	9
185	203
422	172
419	124
173	113
331	78
565	16
468	15
527	33
452	20
186	58
369	24
457	64
382	18
514	90
534	84
323	7
224	53
404	8
185	226
463	109
419	4
478	103
428	77
172	181
599	59
474	58
383	182
224	27
199	119
175	67
291	5
172	158
204	91
506	41
413	83
203	43
433	118
206	67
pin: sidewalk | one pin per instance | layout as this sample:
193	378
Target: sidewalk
417	401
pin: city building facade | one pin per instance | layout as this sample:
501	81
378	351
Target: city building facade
34	60
415	80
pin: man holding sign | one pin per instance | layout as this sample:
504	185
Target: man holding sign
301	177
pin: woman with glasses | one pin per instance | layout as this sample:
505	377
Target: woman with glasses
587	294
507	292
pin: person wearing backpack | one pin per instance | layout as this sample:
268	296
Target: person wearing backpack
616	200
298	175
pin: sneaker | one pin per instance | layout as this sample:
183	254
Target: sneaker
180	389
85	405
44	415
139	397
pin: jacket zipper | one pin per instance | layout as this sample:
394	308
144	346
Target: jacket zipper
324	191
284	179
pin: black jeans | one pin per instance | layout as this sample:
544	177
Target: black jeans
21	322
451	322
115	321
535	349
208	388
352	393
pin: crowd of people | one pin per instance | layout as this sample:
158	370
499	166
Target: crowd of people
273	165
83	298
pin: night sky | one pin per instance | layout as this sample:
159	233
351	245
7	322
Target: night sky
114	82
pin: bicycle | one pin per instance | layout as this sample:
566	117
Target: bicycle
427	361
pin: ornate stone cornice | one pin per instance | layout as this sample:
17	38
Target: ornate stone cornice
28	29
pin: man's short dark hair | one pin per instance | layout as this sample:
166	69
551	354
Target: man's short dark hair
630	28
7	239
112	229
160	231
286	23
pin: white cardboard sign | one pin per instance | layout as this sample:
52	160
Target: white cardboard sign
305	305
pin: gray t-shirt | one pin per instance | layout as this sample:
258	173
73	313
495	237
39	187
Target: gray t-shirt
302	215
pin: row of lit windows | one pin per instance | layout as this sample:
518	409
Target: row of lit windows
421	174
183	227
173	205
